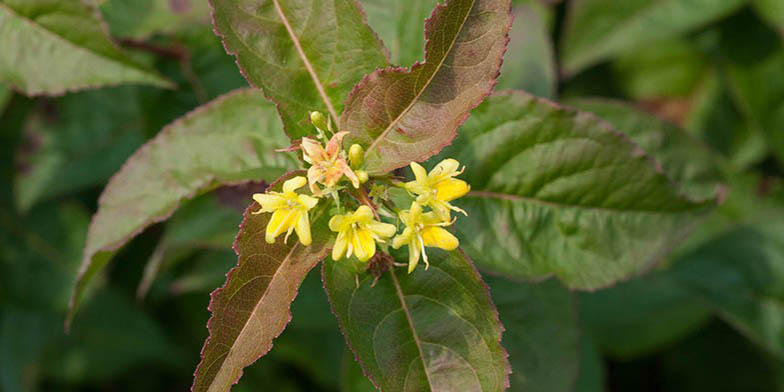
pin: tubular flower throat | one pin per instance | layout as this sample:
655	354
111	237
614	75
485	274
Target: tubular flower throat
358	233
423	230
437	188
328	165
289	211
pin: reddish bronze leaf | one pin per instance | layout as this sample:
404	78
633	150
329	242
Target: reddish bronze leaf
402	115
253	307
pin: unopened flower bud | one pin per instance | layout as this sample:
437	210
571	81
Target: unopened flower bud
318	120
356	155
362	175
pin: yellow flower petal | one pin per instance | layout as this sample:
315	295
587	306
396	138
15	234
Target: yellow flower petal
269	202
450	189
336	223
383	230
303	229
294	183
413	256
282	220
362	214
446	168
439	237
419	173
402	238
340	245
307	201
364	245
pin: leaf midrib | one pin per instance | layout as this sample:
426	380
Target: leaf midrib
403	306
308	66
424	86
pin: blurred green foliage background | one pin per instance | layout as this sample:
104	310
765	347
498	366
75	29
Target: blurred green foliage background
710	318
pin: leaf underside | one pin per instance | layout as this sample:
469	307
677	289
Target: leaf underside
253	307
566	195
431	330
50	47
228	140
305	54
403	115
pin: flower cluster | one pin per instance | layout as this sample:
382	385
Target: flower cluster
333	173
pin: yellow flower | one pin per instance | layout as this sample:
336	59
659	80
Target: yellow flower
423	229
289	211
328	165
439	187
358	233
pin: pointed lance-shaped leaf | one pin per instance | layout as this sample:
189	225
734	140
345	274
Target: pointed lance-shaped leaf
229	140
305	54
50	47
556	191
431	330
254	305
403	115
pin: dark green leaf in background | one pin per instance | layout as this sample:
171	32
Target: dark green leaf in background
542	334
306	55
642	315
772	11
753	57
139	19
403	115
229	140
666	69
741	276
564	194
75	142
401	25
684	159
253	307
434	330
54	46
529	63
599	29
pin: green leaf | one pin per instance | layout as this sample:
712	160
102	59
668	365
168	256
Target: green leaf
718	359
529	63
772	11
683	158
592	372
561	190
140	19
54	46
431	330
641	316
401	24
253	307
305	54
754	57
351	377
228	140
667	69
741	275
403	115
5	96
77	141
716	120
542	334
599	29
